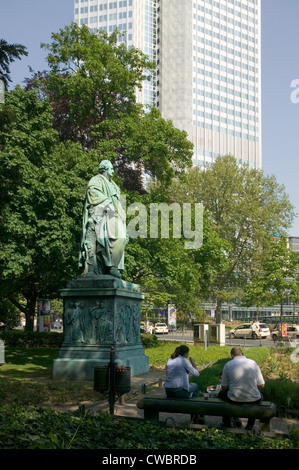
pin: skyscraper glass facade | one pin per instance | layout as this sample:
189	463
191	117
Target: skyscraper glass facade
106	15
226	72
135	19
208	77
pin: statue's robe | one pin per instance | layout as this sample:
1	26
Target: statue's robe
103	205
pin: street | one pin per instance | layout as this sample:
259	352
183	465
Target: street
187	336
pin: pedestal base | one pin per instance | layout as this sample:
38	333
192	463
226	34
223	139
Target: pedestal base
82	368
99	313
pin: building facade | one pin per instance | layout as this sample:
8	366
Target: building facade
208	76
136	21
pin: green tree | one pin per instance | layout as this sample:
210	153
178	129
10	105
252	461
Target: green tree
278	278
92	86
8	54
245	208
163	267
166	270
9	314
42	186
45	163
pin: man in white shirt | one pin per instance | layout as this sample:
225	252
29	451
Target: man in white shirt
241	382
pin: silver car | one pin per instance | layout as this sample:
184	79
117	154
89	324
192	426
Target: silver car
292	333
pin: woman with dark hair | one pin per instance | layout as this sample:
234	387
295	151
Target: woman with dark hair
177	374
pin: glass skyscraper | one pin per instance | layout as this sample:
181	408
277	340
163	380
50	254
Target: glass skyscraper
208	77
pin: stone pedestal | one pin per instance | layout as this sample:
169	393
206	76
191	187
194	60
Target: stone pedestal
100	312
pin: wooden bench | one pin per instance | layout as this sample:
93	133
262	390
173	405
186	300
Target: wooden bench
153	405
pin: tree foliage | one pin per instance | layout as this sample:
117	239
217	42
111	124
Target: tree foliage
41	191
277	278
9	53
53	136
92	86
246	209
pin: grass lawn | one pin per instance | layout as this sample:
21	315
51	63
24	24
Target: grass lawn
26	376
28	363
25	384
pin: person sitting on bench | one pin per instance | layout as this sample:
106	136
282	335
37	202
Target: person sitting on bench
177	374
241	382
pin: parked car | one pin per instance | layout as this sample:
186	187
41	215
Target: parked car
264	330
247	330
292	333
161	328
57	325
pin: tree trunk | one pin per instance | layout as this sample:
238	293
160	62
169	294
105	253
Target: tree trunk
218	311
30	313
28	310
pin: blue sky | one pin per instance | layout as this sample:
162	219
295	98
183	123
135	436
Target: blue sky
31	22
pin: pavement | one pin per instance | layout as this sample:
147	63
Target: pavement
150	383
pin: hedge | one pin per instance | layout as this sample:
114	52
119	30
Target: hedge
149	341
36	339
32	339
283	392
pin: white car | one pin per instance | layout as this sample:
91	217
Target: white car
248	330
161	328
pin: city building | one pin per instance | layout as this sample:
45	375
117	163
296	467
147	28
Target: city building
136	21
293	243
265	314
208	76
207	81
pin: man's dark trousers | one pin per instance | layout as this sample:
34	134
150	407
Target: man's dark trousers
226	419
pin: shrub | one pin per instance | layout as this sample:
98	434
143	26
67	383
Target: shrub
149	341
32	339
283	392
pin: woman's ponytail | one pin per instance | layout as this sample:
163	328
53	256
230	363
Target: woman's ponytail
180	351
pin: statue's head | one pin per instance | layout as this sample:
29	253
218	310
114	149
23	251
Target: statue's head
105	165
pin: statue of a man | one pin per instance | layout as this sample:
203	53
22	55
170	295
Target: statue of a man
104	235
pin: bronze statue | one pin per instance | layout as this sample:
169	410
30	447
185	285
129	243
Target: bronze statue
104	235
